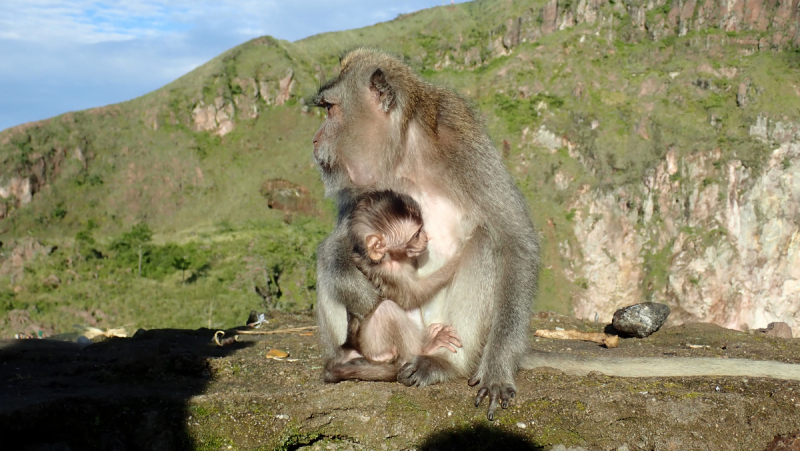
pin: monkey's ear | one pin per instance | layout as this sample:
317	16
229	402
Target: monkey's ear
383	91
376	247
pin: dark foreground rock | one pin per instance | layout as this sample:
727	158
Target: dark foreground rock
640	320
174	389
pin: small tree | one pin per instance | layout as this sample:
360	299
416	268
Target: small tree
182	264
140	235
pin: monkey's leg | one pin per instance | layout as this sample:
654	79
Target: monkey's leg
387	338
441	336
389	333
344	356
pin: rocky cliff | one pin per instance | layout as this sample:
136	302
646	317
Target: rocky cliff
714	238
725	242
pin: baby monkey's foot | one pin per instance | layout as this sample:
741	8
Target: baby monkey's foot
441	336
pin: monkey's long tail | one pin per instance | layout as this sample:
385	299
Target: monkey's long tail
660	366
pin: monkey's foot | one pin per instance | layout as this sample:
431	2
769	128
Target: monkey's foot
424	370
441	336
498	391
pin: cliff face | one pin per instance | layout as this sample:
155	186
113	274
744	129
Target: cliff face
728	253
776	19
716	238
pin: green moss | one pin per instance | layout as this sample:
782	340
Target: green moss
210	442
656	265
201	410
401	403
294	438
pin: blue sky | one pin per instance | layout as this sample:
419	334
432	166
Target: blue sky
66	55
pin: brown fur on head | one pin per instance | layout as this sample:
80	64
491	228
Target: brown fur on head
386	225
371	106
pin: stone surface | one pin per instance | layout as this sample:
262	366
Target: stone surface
174	389
285	87
778	330
640	320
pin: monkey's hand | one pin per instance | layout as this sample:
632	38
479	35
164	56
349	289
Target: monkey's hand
496	389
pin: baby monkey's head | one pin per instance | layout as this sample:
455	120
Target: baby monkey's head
386	225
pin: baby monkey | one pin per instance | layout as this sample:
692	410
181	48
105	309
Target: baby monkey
386	231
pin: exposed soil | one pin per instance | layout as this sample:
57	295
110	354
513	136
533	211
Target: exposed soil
176	389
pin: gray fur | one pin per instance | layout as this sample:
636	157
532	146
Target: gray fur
431	140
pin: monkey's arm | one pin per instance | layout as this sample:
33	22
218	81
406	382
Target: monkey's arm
342	291
508	277
419	291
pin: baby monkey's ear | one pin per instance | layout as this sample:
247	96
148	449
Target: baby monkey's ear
376	247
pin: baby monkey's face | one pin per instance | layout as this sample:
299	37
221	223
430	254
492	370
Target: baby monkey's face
417	244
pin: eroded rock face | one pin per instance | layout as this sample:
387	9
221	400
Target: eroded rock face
709	238
285	87
287	196
14	255
220	118
21	188
778	20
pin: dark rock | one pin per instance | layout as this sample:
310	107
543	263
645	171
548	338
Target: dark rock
640	320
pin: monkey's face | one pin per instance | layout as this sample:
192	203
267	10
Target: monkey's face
417	244
354	146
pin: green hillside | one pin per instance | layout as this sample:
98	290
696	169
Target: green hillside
577	96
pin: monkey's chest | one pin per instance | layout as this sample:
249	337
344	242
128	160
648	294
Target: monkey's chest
446	228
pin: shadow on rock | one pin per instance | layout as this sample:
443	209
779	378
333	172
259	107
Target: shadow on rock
122	393
478	438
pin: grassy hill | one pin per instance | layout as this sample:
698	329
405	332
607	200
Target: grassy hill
577	96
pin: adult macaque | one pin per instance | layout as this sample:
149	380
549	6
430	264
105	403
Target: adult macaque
387	239
386	128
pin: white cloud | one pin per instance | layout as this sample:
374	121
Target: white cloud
64	55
